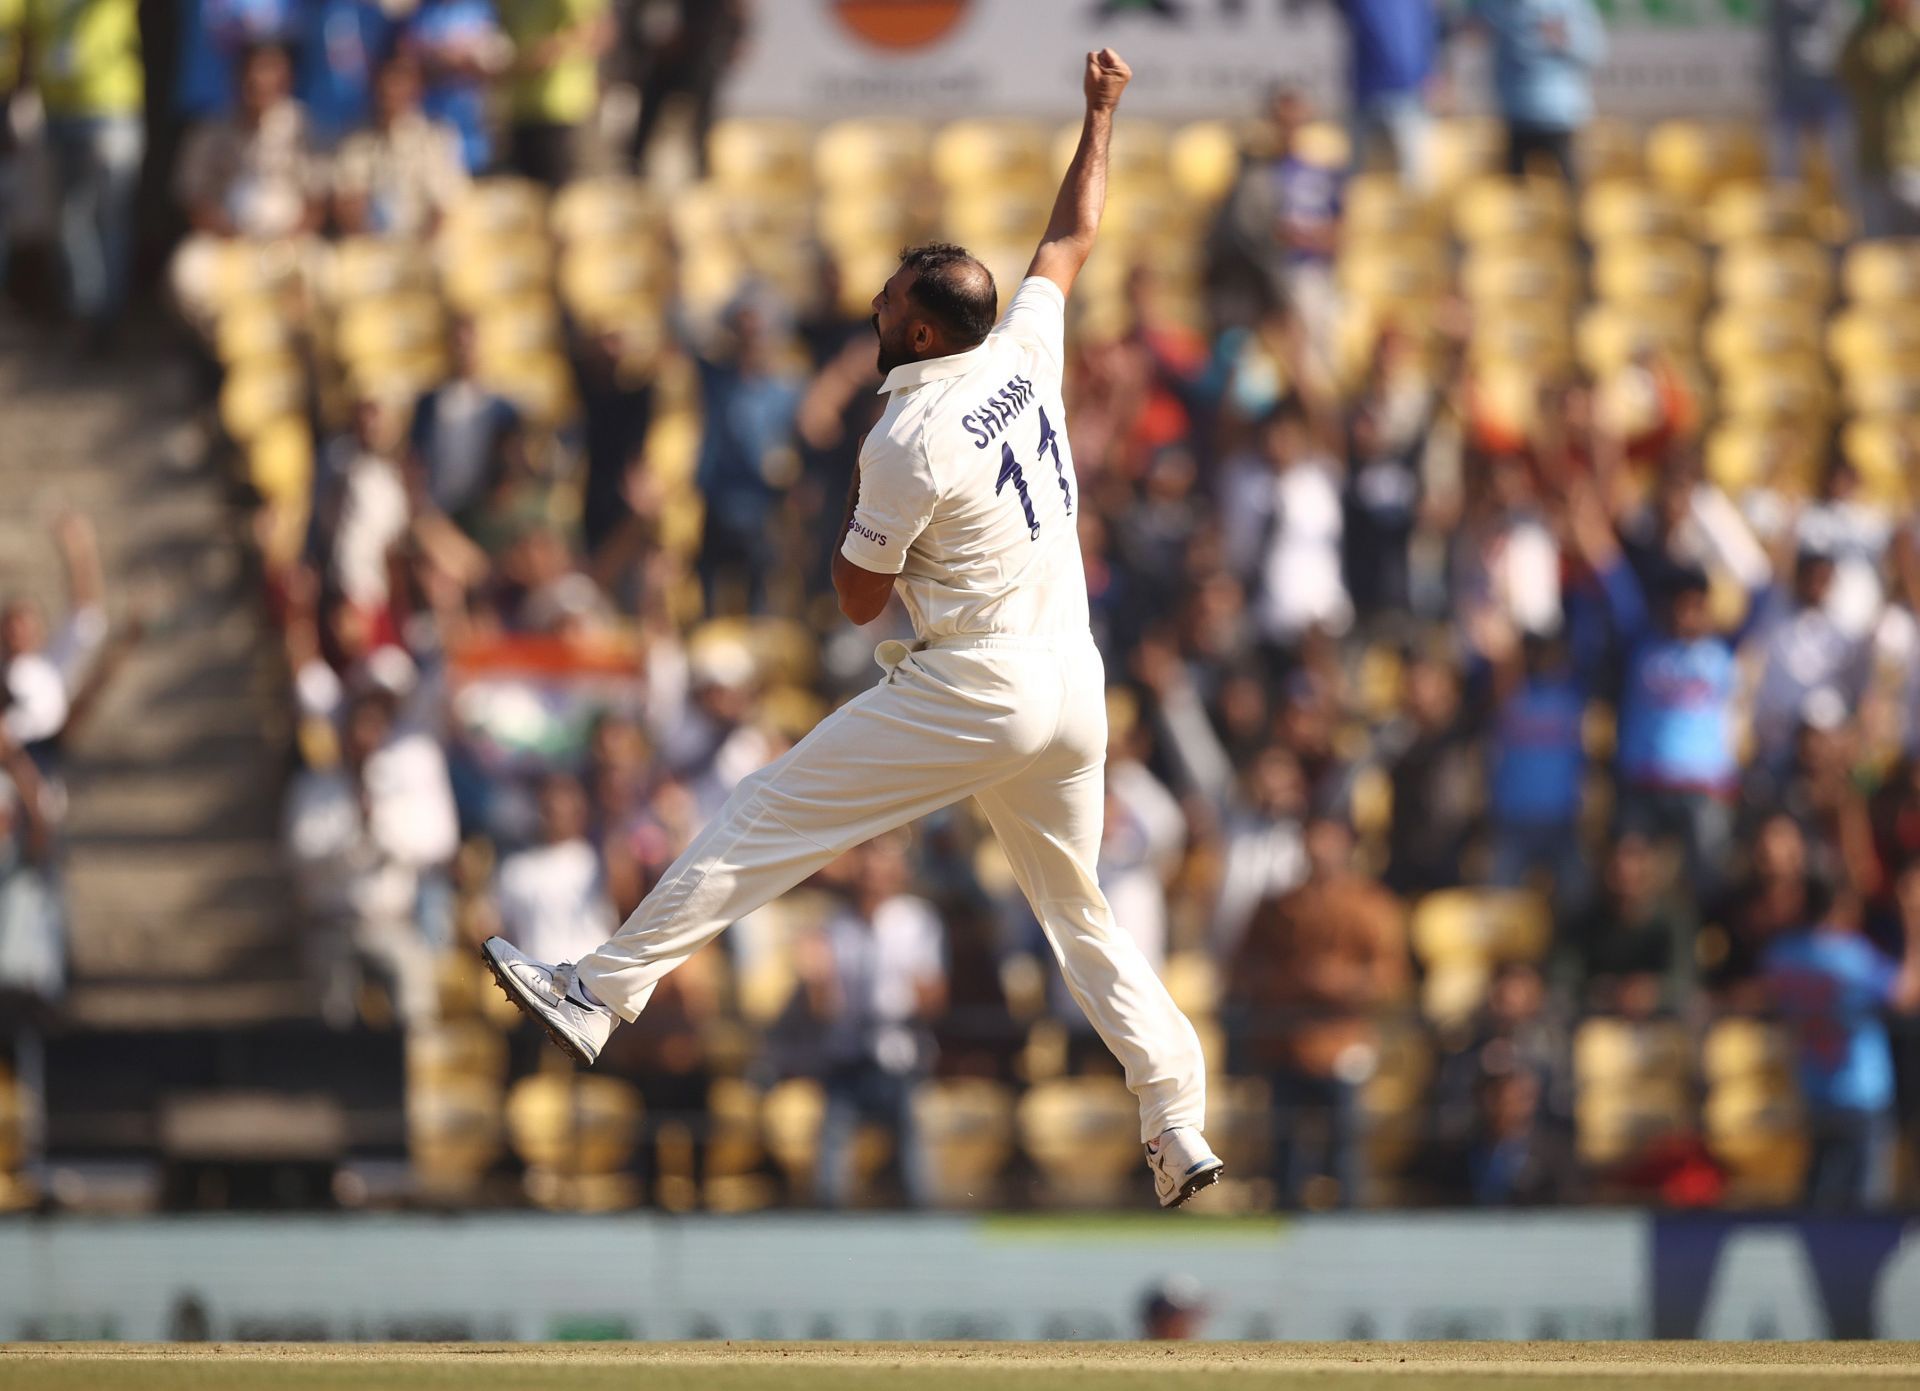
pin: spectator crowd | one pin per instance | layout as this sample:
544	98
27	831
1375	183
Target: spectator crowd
1453	740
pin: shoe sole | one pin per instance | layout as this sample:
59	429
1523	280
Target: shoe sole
1206	1178
519	1001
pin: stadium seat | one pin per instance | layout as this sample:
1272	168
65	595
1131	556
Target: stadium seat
1465	148
1538	339
1137	159
790	1119
1632	1084
1883	448
359	268
1737	1048
541	385
1392	272
861	220
463	1051
1003	154
604	279
760	155
1380	205
883	156
497	209
1204	160
1743	454
1663	270
453	1136
1529	271
1759	209
1609	336
1628	209
966	1125
575	1133
1880	273
1459	935
1745	333
1690	158
512	329
260	391
594	212
1860	339
1497	208
1083	1134
1753	1118
1607	148
1775	270
255	327
390	327
975	216
475	274
1793	389
732	1178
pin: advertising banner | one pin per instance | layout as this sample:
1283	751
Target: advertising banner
939	59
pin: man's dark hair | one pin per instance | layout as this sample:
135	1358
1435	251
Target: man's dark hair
954	290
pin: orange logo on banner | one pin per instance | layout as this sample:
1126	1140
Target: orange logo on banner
900	23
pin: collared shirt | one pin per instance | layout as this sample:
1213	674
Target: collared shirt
407	173
261	177
967	488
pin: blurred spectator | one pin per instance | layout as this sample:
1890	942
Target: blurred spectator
1515	1157
1264	852
33	953
1804	653
1804	41
1516	1028
1544	56
361	508
1173	1311
874	978
1880	66
1282	521
213	35
1387	427
552	896
340	46
1393	47
1436	770
1678	760
1775	897
1310	973
1537	760
1831	986
616	408
251	176
686	64
44	671
749	399
554	88
1632	952
459	435
1273	240
87	66
398	177
362	836
461	51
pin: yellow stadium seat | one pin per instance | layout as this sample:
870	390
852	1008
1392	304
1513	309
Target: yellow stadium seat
259	392
1481	925
1884	452
1325	143
860	155
1466	147
992	153
608	273
1737	1047
758	155
1792	389
1203	160
1884	390
1629	209
1379	205
1774	270
1654	269
453	1136
1083	1134
1859	339
1878	273
1614	1122
391	327
1138	157
253	328
1391	271
371	267
496	209
474	274
1689	158
1533	270
459	1051
1756	209
541	385
1744	454
613	209
1610	336
1618	1050
856	219
1497	208
517	328
966	1125
1541	341
575	1133
1744	333
987	215
790	1119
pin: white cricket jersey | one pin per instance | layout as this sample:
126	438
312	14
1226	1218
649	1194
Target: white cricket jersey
967	490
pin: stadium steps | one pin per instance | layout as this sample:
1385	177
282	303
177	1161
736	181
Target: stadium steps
179	902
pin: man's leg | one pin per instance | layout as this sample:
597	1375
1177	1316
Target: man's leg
1049	821
907	747
839	1124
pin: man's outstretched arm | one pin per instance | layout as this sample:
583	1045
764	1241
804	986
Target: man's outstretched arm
1068	240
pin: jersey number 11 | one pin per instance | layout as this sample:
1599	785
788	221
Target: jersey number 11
1010	472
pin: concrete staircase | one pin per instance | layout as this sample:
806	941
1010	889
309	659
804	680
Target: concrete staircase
180	907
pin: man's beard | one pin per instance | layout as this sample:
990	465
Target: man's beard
887	356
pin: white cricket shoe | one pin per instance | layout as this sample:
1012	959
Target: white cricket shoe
1182	1165
550	996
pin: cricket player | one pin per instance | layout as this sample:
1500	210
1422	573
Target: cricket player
964	504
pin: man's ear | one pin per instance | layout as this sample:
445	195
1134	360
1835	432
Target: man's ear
923	337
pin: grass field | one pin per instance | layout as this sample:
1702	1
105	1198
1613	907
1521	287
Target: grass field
972	1366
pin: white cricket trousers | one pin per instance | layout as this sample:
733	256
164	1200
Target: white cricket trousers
1021	725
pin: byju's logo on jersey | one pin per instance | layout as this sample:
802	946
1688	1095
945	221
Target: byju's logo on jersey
878	538
900	24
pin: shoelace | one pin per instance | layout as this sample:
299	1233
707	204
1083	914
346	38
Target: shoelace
562	980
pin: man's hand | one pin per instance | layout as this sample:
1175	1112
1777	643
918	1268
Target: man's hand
1107	77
